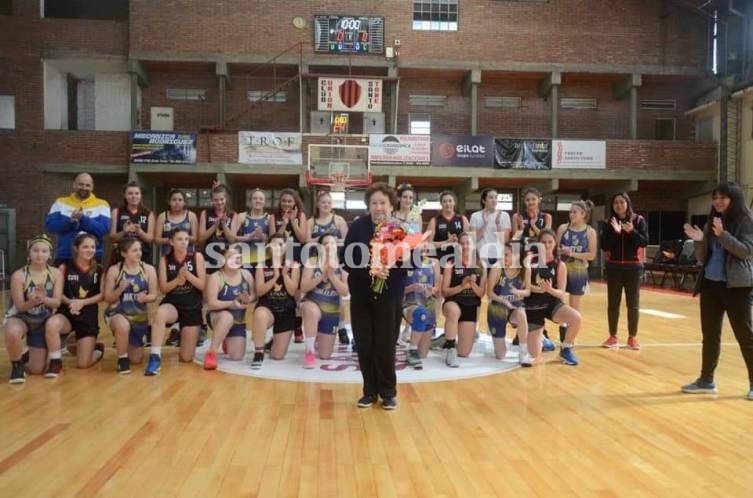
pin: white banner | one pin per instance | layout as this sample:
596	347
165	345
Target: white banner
350	94
267	147
587	154
400	149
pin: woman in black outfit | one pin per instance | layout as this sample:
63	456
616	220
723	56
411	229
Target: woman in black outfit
374	317
725	246
624	235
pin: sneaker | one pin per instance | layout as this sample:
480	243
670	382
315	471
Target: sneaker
563	332
353	346
515	340
547	344
389	403
750	394
17	374
54	368
267	345
342	336
309	359
210	360
366	401
174	338
700	386
202	336
451	358
153	365
257	361
568	357
25	357
98	353
414	360
438	342
298	333
148	337
525	359
403	338
611	342
633	343
124	366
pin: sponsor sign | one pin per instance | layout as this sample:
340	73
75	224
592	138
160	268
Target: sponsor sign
160	147
400	149
588	154
515	153
462	150
266	147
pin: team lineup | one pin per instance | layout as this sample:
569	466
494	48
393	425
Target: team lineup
241	274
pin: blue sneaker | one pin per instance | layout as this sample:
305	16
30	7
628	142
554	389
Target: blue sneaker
389	403
154	364
367	400
700	386
547	344
568	357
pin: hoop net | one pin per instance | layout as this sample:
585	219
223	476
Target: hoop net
338	182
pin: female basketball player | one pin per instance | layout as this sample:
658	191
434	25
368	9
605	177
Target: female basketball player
422	288
253	227
216	227
445	228
177	216
532	221
133	219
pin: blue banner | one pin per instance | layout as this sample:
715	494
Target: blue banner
163	147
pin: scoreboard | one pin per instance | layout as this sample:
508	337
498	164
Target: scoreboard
349	34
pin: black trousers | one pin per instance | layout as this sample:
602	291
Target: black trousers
630	281
374	323
716	299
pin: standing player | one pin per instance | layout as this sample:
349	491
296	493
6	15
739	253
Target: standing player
133	220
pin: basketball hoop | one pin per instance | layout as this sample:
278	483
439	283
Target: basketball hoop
338	183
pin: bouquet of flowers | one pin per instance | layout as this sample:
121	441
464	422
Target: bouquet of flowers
388	245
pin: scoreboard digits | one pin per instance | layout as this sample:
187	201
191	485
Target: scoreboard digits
346	34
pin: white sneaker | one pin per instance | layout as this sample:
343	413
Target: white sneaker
404	338
525	359
451	359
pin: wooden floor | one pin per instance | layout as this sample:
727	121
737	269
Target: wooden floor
616	425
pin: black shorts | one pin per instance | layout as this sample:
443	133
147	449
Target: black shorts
468	312
188	316
537	317
83	326
284	321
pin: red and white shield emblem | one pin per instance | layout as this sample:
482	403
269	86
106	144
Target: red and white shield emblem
350	93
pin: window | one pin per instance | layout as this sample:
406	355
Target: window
186	94
665	129
428	100
6	7
578	103
435	15
110	10
420	123
503	102
7	112
704	130
267	96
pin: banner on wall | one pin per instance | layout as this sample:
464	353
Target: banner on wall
400	149
588	154
158	147
267	147
462	150
350	94
519	153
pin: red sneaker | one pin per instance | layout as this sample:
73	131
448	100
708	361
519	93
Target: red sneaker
612	342
309	360
633	343
210	360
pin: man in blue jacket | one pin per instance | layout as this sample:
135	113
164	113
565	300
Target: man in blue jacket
81	211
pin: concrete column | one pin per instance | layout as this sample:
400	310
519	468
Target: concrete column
633	112
221	103
134	100
474	108
555	97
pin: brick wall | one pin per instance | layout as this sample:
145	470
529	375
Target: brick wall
629	32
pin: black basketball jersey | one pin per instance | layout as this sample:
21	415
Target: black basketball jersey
465	296
186	294
444	228
277	299
539	273
79	284
140	218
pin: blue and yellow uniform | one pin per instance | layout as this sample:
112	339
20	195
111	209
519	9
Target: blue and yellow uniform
250	224
230	292
35	317
577	269
132	310
326	297
169	226
497	314
217	237
328	228
423	275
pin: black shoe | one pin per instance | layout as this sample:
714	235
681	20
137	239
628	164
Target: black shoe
515	340
298	335
389	403
342	335
124	366
99	353
25	358
353	346
54	368
148	337
563	332
268	344
17	374
257	361
174	338
546	334
202	336
367	401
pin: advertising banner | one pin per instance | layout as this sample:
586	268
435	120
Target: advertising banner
588	154
267	147
400	149
350	94
462	150
519	153
162	147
